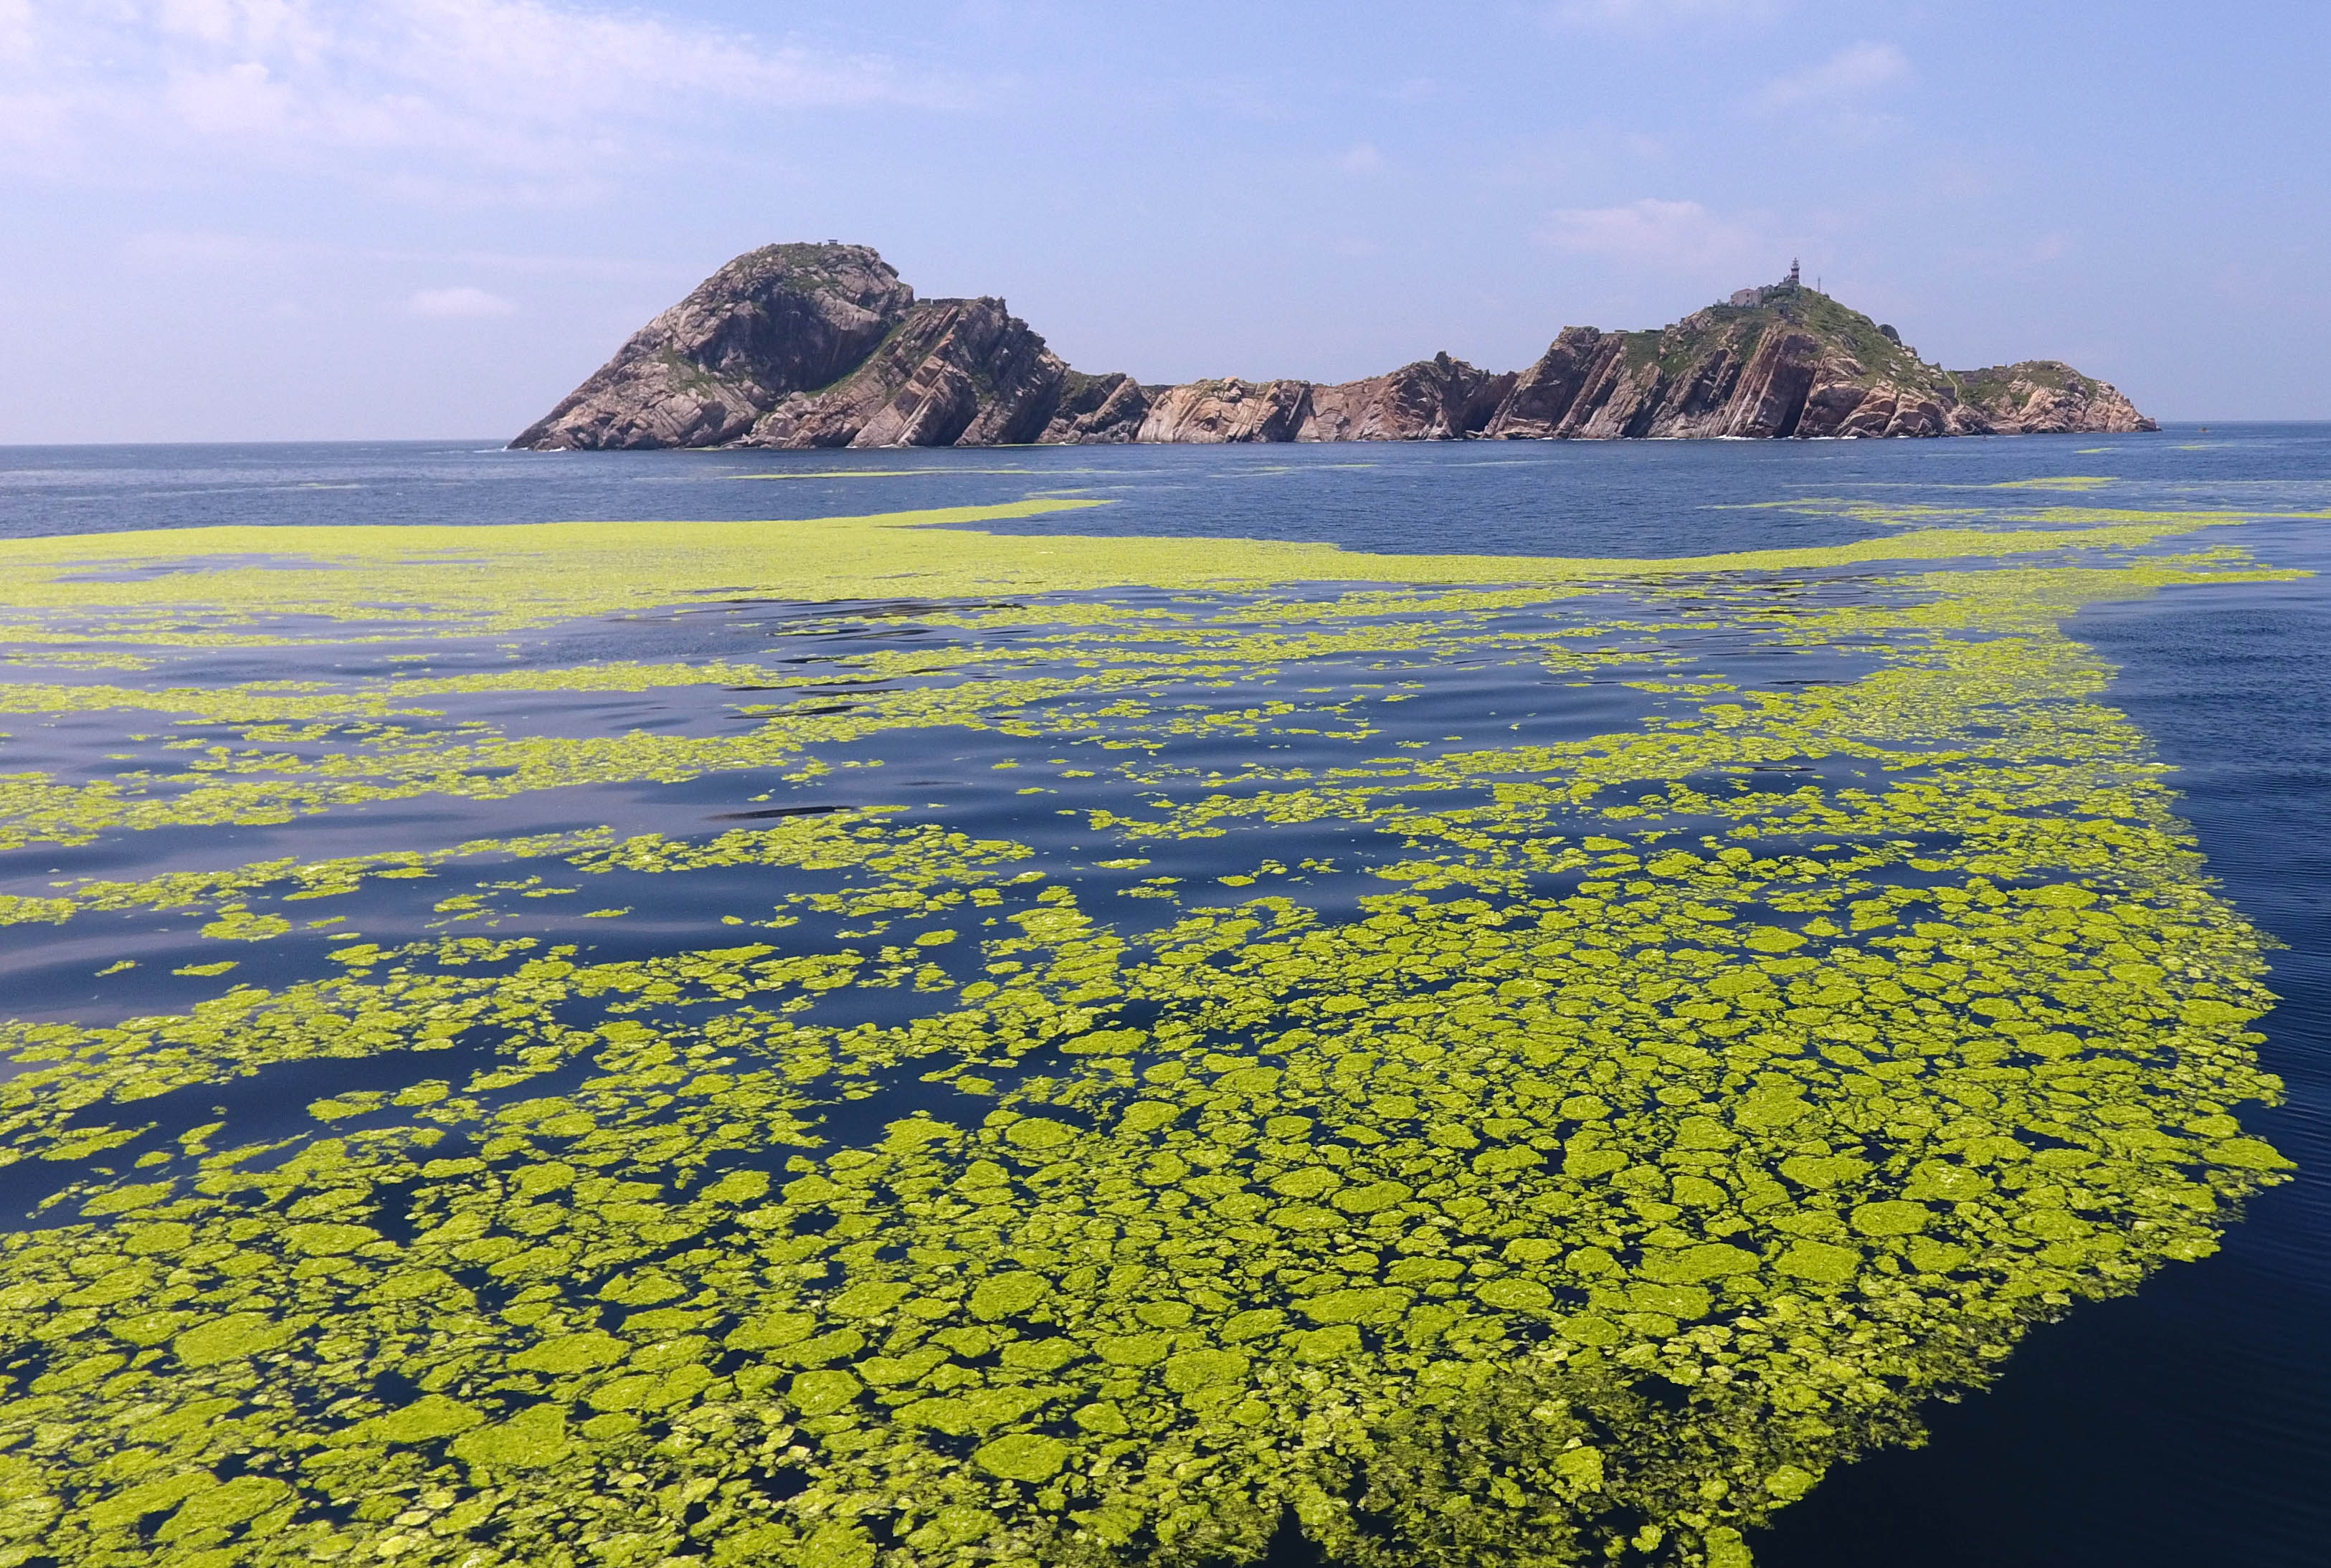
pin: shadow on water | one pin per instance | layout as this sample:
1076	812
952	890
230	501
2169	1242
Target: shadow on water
1290	1547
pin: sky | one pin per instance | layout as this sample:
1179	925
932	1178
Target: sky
255	220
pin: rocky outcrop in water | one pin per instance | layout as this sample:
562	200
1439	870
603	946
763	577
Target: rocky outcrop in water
1098	408
1435	399
771	322
1227	411
2044	396
950	373
823	346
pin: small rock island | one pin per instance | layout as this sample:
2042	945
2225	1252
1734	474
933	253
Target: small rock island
823	346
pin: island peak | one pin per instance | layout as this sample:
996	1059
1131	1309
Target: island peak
806	346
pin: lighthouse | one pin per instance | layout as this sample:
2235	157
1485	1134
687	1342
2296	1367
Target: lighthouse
1796	277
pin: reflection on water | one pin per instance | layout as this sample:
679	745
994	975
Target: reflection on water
1526	1074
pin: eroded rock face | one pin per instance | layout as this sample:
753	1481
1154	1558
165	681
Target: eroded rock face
1785	361
771	322
823	345
1216	412
1435	399
951	373
2048	396
1573	378
1098	408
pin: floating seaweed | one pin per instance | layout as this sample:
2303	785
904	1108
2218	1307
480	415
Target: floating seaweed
1555	1144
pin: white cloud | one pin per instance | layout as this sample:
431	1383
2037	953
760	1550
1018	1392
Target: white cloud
430	92
457	304
1845	78
1362	159
1671	236
241	99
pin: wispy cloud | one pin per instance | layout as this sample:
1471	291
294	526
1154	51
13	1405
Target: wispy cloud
1670	236
1847	77
462	303
428	91
1361	158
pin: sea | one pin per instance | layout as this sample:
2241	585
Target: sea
2185	1423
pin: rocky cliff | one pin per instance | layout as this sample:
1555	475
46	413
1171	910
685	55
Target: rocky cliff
823	345
2044	396
1787	361
950	372
771	322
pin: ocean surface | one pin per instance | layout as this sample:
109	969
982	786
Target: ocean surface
2188	1422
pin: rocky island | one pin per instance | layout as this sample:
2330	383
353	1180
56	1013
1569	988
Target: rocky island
823	346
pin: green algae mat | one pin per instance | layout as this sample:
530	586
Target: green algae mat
875	1042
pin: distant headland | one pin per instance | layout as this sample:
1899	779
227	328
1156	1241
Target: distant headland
823	346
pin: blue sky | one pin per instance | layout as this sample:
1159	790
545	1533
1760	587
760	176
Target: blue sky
291	219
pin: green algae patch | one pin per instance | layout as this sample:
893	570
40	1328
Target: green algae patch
1023	1457
428	1419
1536	1146
237	1336
533	1438
497	578
1820	1263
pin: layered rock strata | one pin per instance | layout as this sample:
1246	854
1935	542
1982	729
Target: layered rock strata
824	345
950	372
772	322
1435	399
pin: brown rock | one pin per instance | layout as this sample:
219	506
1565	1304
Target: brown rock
1770	394
1435	399
822	345
1220	412
769	323
1097	408
1544	395
953	372
2046	397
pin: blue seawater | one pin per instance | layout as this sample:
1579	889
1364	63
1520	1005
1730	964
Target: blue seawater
2187	1424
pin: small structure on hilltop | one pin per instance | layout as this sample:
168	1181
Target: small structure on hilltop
801	346
1791	284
